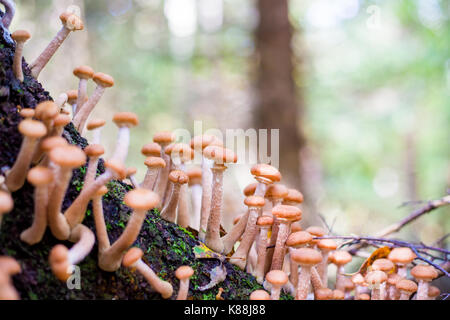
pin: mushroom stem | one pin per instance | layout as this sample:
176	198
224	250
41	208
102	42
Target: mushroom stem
206	197
20	38
83	113
10	10
235	233
163	177
279	252
212	237
261	253
123	143
196	201
293	276
84	240
150	178
82	95
304	281
163	287
183	207
169	212
316	280
100	226
422	290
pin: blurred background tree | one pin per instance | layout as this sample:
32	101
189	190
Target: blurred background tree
359	89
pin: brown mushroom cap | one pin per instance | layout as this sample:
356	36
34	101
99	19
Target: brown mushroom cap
341	257
72	96
155	162
6	202
384	265
46	110
184	272
364	296
338	294
32	128
61	120
94	150
296	227
9	266
40	176
285	212
375	277
298	238
266	172
219	155
68	156
178	176
433	291
327	244
348	284
141	199
277	277
249	190
95	124
83	72
406	285
195	175
103	80
132	256
27	113
180	150
393	278
358	279
21	35
317	231
118	168
402	255
424	272
306	256
163	137
264	221
202	141
323	294
126	119
71	21
259	295
151	149
52	142
294	196
254	201
276	191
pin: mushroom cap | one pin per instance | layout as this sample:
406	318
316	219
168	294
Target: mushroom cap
68	156
264	221
126	119
306	257
180	150
72	96
364	296
358	279
52	142
101	191
433	291
254	201
296	227
141	199
327	244
276	191
259	295
94	150
178	176
265	173
117	167
424	272
316	231
184	272
375	277
61	120
202	141
32	128
341	257
384	265
298	238
250	189
338	294
131	171
277	277
21	35
195	175
46	110
151	149
132	256
71	21
406	285
163	137
393	278
323	294
348	284
103	79
287	213
6	202
293	196
40	176
58	254
95	124
9	265
83	72
402	255
27	113
155	162
220	155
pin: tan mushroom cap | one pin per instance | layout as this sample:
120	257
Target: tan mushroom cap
40	176
6	202
141	199
285	212
296	227
294	196
323	294
384	265
402	255
59	262
101	191
184	272
94	150
433	291
341	257
9	266
348	284
306	256
424	272
393	278
103	79
131	171
53	142
358	279
220	155
71	21
327	244
254	201
126	119
250	189
163	137
155	162
195	175
264	221
46	110
259	295
406	285
27	112
83	72
32	128
95	124
180	150
266	172
132	256
72	96
61	120
202	141
276	191
277	277
316	231
375	277
21	35
364	296
298	238
68	156
338	294
151	149
178	176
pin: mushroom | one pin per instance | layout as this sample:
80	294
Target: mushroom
340	259
32	131
259	295
386	266
72	96
360	284
293	198
46	146
195	186
264	223
307	258
66	159
401	257
221	156
348	286
84	73
325	294
40	178
6	204
20	37
276	193
95	125
151	149
99	219
296	240
131	175
103	81
433	292
391	289
265	174
10	10
423	274
46	111
93	152
406	288
318	232
377	282
177	179
8	267
277	280
71	22
338	294
154	166
163	138
141	201
61	101
325	246
254	204
27	113
285	215
132	259
60	121
364	296
124	120
183	273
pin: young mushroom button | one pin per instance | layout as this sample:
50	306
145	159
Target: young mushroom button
183	273
259	295
406	288
306	258
424	274
277	279
377	281
401	257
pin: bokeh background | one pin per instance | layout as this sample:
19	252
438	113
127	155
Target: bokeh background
359	90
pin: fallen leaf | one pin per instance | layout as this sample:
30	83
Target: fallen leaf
380	253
